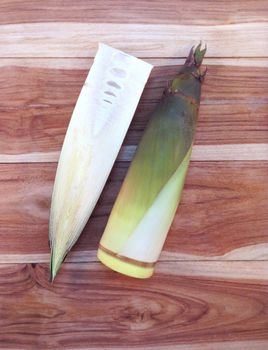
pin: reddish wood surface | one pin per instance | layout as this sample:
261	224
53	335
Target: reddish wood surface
91	307
223	208
234	106
192	302
119	11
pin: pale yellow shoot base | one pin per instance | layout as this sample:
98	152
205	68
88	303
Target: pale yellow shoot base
126	267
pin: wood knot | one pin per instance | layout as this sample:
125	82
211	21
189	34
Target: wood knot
144	313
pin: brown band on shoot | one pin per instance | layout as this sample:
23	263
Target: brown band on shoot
126	259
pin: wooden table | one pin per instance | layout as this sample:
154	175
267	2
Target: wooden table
210	289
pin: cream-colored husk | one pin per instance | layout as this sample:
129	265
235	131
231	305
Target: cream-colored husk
101	117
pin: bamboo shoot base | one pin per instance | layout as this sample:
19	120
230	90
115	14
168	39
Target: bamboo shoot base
126	266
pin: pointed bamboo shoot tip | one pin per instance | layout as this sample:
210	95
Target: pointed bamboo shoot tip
199	54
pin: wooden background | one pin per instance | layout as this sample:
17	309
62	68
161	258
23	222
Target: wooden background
210	289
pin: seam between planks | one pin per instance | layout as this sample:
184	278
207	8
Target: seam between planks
78	63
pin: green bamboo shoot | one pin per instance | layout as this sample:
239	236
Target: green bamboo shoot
150	194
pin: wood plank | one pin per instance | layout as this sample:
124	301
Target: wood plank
230	152
81	39
91	305
222	215
254	272
201	153
233	110
187	264
229	210
139	11
254	252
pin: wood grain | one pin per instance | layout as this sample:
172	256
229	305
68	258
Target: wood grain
226	201
91	305
139	11
247	151
210	289
234	106
81	39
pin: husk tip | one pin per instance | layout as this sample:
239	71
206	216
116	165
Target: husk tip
55	263
54	267
51	277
